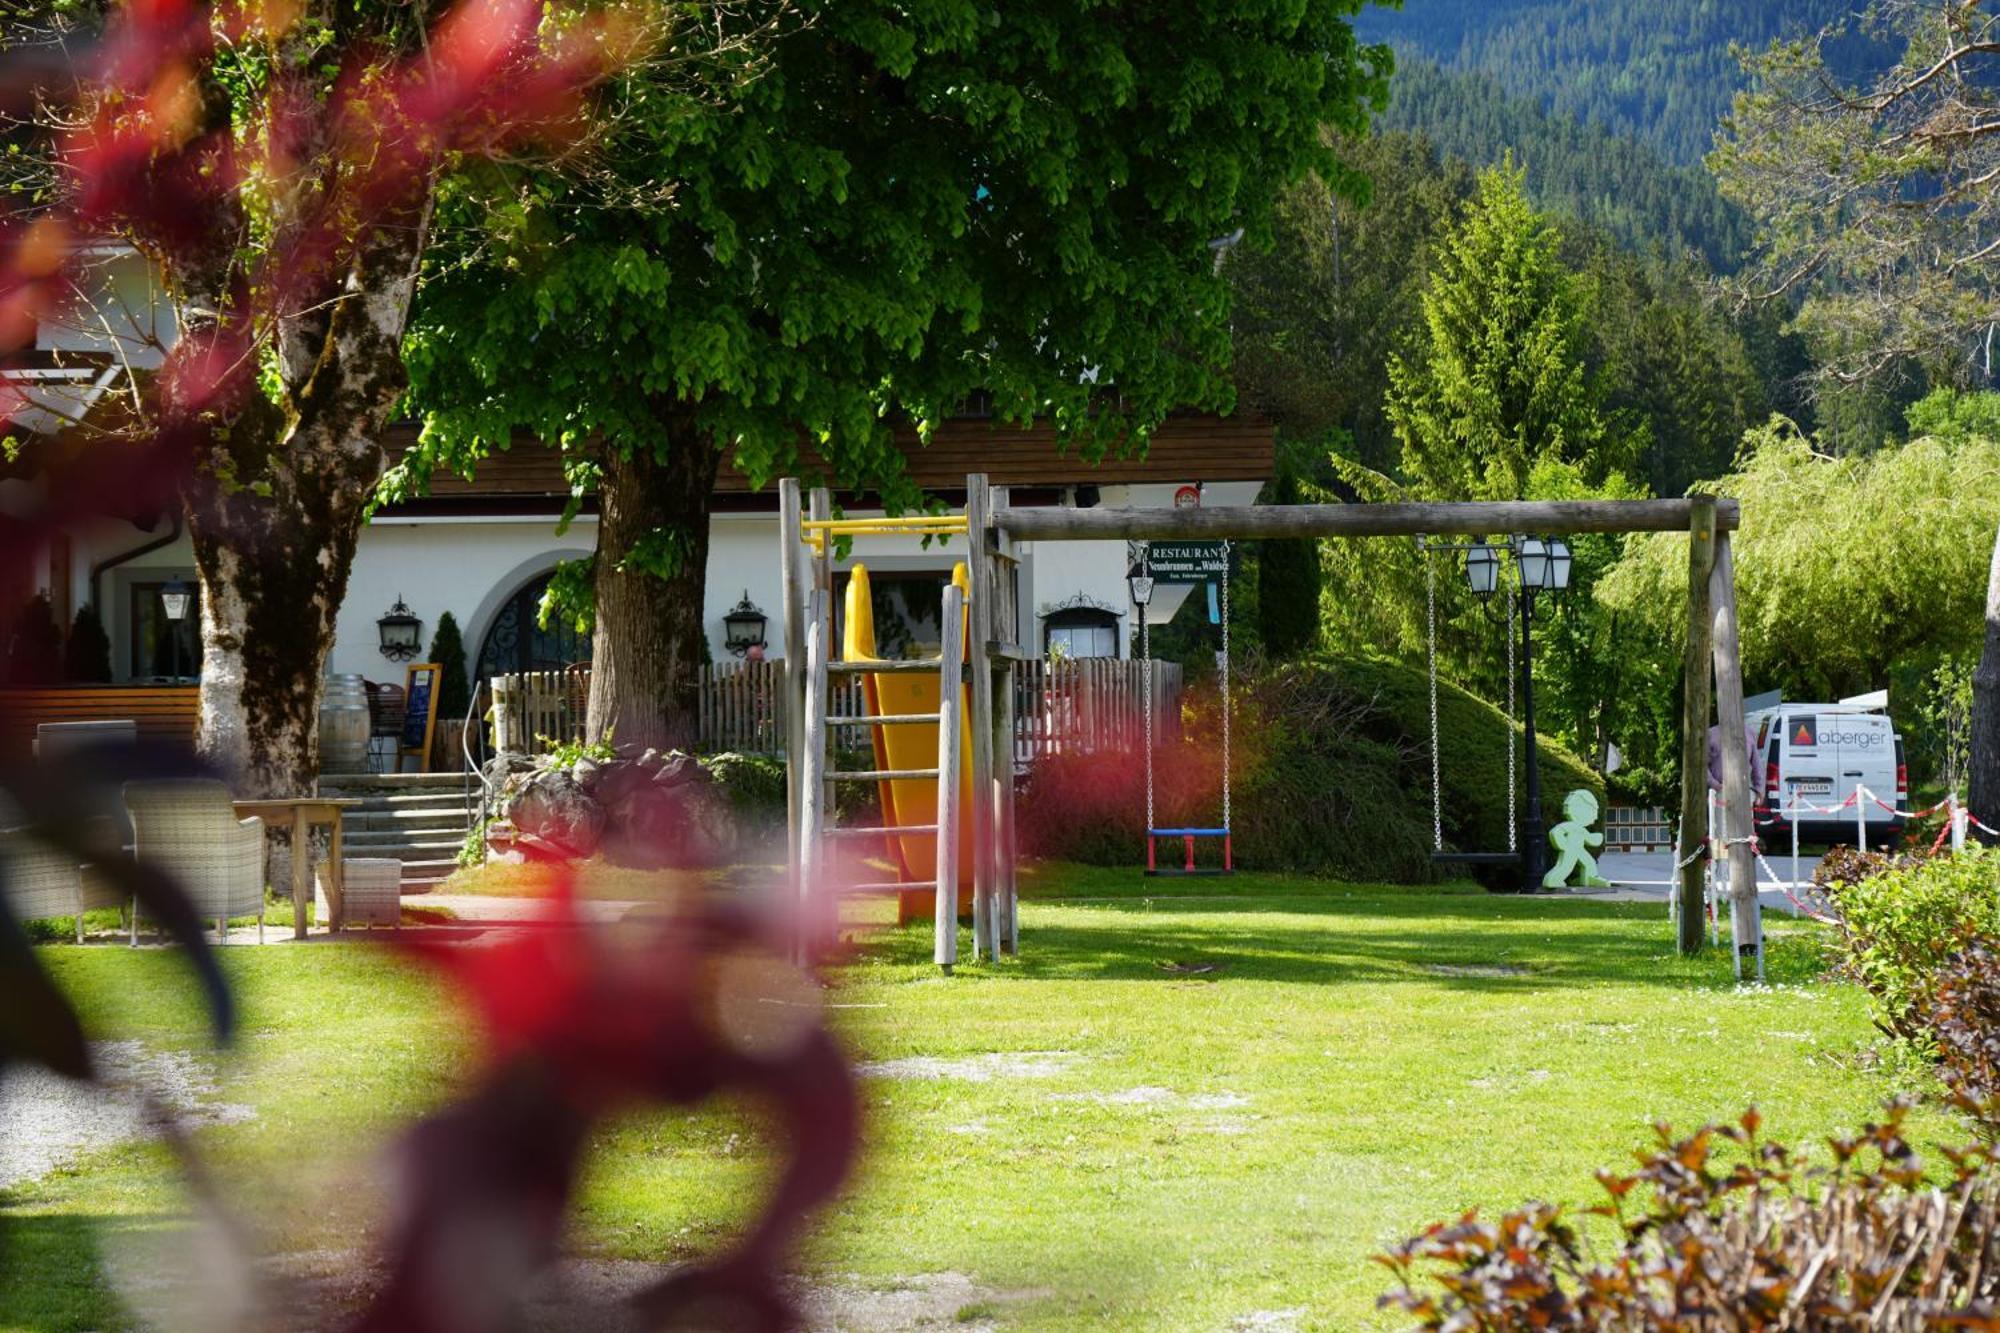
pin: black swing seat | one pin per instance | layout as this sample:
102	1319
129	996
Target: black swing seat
1475	858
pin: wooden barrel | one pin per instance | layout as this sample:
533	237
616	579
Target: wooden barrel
343	725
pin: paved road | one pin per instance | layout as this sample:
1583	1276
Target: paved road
1646	876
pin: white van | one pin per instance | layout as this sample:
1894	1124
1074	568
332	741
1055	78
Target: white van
1815	757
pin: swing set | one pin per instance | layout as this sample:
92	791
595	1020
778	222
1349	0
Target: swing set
1218	611
993	532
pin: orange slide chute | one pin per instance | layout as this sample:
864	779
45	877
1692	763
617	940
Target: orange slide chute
911	745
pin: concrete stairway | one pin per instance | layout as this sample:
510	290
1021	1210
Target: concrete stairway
416	818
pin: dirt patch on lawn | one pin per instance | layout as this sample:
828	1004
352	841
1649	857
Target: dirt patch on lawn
1489	970
594	1296
972	1068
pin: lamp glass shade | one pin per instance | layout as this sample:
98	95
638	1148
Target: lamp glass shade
1482	568
1142	591
1559	563
400	630
743	627
1533	553
174	599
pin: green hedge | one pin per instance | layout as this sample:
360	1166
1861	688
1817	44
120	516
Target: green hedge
1332	765
1900	928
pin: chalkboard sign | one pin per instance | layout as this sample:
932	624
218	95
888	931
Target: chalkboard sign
1187	562
420	715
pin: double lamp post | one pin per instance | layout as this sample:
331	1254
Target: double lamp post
1542	566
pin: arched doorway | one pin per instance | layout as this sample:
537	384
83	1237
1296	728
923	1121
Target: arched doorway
516	642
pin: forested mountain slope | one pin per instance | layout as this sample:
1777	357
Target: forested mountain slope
1658	70
1579	169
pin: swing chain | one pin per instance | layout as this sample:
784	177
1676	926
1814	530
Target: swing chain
1226	549
1513	822
1431	652
1146	673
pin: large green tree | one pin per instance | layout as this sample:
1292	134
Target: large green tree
278	164
909	206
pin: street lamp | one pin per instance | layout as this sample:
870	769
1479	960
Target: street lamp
1544	566
1541	565
1482	568
174	598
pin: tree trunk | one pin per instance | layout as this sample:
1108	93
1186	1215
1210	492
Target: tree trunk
275	508
1985	776
651	575
273	574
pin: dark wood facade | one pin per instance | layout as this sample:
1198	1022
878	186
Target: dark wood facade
1185	448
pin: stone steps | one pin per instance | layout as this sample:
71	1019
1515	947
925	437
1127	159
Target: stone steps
418	819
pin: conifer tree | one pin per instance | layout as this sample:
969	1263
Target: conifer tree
1497	379
448	651
87	655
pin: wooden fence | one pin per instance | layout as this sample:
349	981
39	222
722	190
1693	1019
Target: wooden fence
1090	705
1075	707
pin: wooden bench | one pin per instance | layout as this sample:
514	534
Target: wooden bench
165	714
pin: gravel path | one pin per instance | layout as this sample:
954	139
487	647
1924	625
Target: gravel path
50	1120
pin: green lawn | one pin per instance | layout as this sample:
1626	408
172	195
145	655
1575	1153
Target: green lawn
1147	1147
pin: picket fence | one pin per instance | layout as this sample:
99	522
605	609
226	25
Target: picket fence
1083	706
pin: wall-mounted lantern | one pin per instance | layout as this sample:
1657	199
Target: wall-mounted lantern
401	632
743	627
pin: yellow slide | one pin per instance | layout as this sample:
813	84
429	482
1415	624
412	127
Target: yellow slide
913	745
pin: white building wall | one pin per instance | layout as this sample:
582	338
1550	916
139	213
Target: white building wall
467	566
471	565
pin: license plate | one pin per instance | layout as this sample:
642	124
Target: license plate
1810	788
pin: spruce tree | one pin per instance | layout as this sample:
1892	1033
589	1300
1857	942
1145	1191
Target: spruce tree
1497	379
1287	585
454	685
87	655
34	648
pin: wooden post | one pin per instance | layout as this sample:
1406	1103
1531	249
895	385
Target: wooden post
815	895
944	933
1694	725
1007	619
985	943
793	596
1746	916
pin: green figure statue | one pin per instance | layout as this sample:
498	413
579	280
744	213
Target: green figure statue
1572	839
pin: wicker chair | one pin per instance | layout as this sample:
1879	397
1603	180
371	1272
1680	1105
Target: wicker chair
188	829
371	891
41	882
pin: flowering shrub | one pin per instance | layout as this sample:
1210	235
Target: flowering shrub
1757	1241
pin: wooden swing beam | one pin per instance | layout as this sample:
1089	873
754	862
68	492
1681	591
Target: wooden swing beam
1250	522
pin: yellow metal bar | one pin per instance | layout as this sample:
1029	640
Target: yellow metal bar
920	523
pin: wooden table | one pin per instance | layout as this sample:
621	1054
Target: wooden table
300	814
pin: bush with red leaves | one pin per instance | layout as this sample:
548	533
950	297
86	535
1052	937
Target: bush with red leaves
1965	1024
1759	1240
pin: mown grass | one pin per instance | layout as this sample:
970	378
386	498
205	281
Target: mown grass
1152	1147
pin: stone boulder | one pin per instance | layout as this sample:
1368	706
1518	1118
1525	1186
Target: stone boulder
665	811
553	815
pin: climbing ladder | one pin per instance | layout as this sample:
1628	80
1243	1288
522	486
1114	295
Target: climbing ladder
975	644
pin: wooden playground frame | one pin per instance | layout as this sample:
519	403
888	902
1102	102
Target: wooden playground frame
994	529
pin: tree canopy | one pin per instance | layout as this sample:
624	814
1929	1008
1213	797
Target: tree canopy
1849	570
904	209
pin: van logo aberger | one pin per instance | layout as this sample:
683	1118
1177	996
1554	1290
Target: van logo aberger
1806	733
